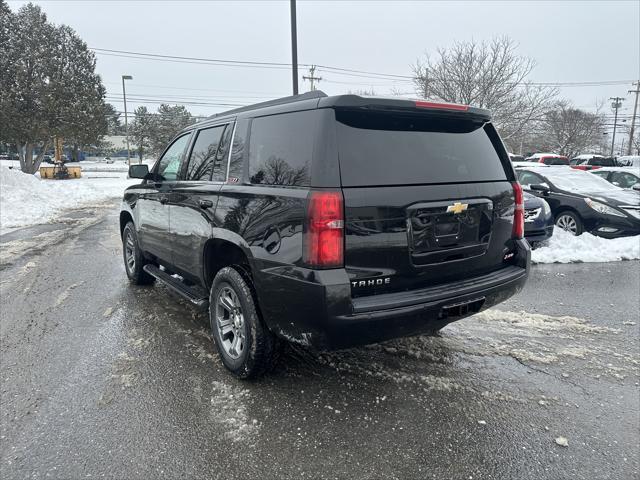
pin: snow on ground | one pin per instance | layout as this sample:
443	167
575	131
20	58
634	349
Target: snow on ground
27	200
565	248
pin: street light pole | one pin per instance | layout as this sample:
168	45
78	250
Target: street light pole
294	47
617	103
126	122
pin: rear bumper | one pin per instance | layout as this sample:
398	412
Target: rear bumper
315	308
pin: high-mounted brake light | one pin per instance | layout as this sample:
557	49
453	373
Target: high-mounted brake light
442	106
518	215
324	236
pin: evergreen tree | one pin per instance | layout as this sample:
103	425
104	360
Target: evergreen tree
168	121
140	130
48	85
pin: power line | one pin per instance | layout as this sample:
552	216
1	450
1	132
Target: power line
137	57
191	97
171	87
178	57
173	101
331	69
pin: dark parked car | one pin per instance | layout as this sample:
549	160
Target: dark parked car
591	162
329	221
548	159
538	220
582	202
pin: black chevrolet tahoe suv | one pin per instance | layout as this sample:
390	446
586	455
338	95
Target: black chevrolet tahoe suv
329	222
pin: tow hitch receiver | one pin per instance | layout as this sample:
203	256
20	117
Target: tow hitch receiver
462	308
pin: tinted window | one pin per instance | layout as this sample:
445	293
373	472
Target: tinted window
603	162
386	149
624	179
528	178
238	150
222	157
169	164
204	154
280	148
559	161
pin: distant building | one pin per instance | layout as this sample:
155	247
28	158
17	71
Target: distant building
118	143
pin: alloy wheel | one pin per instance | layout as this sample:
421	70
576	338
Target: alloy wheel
230	322
130	252
567	223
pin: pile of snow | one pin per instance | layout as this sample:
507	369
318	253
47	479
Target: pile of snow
563	247
27	200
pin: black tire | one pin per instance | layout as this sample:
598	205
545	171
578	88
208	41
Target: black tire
134	261
570	221
259	347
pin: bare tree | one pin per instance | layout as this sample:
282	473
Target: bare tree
570	131
635	140
488	75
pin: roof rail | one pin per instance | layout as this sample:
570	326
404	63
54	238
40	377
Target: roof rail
277	101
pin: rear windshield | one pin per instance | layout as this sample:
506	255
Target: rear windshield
603	162
388	149
557	161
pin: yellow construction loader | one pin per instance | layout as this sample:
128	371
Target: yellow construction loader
59	171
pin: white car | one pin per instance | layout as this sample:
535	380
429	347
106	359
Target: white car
629	161
623	177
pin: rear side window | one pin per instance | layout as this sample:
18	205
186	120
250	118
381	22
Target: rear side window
388	149
204	156
281	147
528	178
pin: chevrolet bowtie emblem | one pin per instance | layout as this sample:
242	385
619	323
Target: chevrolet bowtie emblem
457	207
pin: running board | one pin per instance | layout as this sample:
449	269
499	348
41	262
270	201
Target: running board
188	293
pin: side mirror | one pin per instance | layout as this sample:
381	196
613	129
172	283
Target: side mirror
538	187
636	187
616	184
139	171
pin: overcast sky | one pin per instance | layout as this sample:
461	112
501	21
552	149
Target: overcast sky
585	41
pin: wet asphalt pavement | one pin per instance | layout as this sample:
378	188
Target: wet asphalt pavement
103	379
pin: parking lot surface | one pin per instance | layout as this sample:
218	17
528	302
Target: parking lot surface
104	379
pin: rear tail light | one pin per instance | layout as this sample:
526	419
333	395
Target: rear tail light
442	106
324	236
518	215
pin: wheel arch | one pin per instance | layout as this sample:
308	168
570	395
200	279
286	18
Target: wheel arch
219	253
567	208
125	217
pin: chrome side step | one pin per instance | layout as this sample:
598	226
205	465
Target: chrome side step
194	295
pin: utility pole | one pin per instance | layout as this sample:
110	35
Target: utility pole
312	77
294	47
633	119
126	122
617	103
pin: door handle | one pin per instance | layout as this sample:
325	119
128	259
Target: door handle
205	203
163	200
